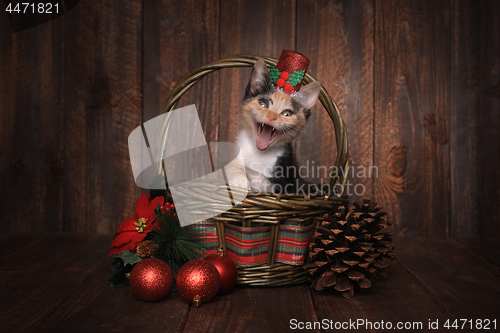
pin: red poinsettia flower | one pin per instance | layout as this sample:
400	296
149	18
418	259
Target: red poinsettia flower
132	231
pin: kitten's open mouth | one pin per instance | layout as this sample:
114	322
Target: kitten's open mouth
265	135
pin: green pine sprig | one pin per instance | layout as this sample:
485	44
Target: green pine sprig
176	245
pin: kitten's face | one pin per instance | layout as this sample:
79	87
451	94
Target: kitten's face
271	116
274	119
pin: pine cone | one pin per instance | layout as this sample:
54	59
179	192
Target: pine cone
145	249
349	247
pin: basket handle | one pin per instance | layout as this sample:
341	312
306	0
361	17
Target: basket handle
247	60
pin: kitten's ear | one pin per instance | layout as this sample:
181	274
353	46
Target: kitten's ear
308	95
259	82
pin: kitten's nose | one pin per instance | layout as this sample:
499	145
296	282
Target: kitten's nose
271	116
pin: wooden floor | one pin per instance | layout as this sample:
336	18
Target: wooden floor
58	283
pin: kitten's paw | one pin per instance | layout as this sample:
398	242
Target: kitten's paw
240	182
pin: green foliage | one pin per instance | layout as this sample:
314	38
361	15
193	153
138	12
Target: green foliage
129	258
296	77
274	73
176	245
121	265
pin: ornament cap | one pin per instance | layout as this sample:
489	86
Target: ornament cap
221	252
197	300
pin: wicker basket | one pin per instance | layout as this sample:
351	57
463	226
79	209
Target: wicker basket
269	208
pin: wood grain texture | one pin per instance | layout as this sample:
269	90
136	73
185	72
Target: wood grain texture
40	277
411	94
31	121
398	298
485	247
489	120
102	105
252	27
252	310
338	38
461	280
99	308
58	283
12	243
475	101
416	82
180	36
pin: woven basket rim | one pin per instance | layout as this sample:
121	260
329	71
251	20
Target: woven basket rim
263	207
248	60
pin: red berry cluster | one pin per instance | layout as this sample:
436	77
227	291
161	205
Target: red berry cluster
281	81
167	207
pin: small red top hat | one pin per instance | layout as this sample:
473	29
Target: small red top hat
289	71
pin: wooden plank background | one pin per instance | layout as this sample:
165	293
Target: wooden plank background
417	83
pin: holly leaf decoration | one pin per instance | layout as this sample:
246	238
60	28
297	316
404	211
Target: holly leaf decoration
121	265
129	258
119	278
296	77
274	73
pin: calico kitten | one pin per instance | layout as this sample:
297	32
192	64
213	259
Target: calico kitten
272	120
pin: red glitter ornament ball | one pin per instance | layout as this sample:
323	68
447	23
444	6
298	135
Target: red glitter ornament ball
151	279
227	270
198	281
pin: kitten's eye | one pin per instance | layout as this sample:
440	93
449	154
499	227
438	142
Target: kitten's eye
263	103
287	113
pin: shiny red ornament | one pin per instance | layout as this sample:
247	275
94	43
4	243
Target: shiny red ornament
227	270
280	82
198	281
151	279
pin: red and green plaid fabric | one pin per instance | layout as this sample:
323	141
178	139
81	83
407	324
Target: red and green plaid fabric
209	232
293	242
250	246
247	246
